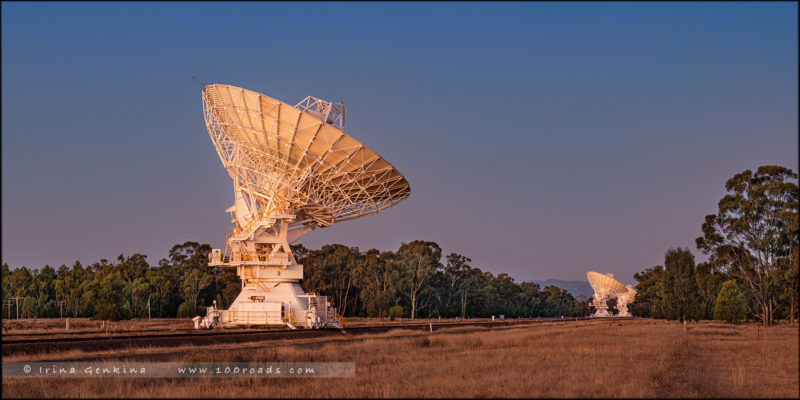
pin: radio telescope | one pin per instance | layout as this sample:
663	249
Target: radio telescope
293	170
606	287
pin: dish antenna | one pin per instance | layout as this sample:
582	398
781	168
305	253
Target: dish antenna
293	170
606	287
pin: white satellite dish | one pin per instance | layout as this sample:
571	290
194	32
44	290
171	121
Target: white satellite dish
606	287
292	167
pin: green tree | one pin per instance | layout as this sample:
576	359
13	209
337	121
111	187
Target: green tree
189	255
680	298
558	302
19	282
331	271
134	268
709	283
42	288
534	299
6	274
191	286
29	308
6	291
187	310
72	287
435	295
749	237
396	311
162	285
418	260
467	286
141	294
791	286
505	297
455	271
582	306
376	277
49	309
789	267
731	303
108	297
649	292
229	289
339	265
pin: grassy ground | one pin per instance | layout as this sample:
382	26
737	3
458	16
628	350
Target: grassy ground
633	358
33	328
56	326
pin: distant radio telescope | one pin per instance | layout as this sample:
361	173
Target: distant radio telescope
606	287
293	170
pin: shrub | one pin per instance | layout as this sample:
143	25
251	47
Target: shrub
29	308
49	310
186	310
731	303
112	312
396	311
426	341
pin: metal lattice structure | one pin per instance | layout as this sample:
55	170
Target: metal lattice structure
292	166
282	154
606	287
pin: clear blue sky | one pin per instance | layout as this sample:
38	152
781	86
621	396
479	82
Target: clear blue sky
540	139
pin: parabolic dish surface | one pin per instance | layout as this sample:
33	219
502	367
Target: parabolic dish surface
601	282
282	153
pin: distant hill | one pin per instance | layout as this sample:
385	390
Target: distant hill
574	288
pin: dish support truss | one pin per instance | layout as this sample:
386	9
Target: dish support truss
264	261
600	302
331	113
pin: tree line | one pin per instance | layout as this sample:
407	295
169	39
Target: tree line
752	270
412	282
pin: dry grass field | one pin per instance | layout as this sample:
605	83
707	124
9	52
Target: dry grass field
602	358
57	326
31	328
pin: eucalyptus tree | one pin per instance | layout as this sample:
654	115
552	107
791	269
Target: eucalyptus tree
6	272
43	286
163	283
506	297
649	292
133	269
534	299
377	278
680	297
754	235
107	293
467	286
709	283
455	271
558	302
141	293
192	284
340	263
418	260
